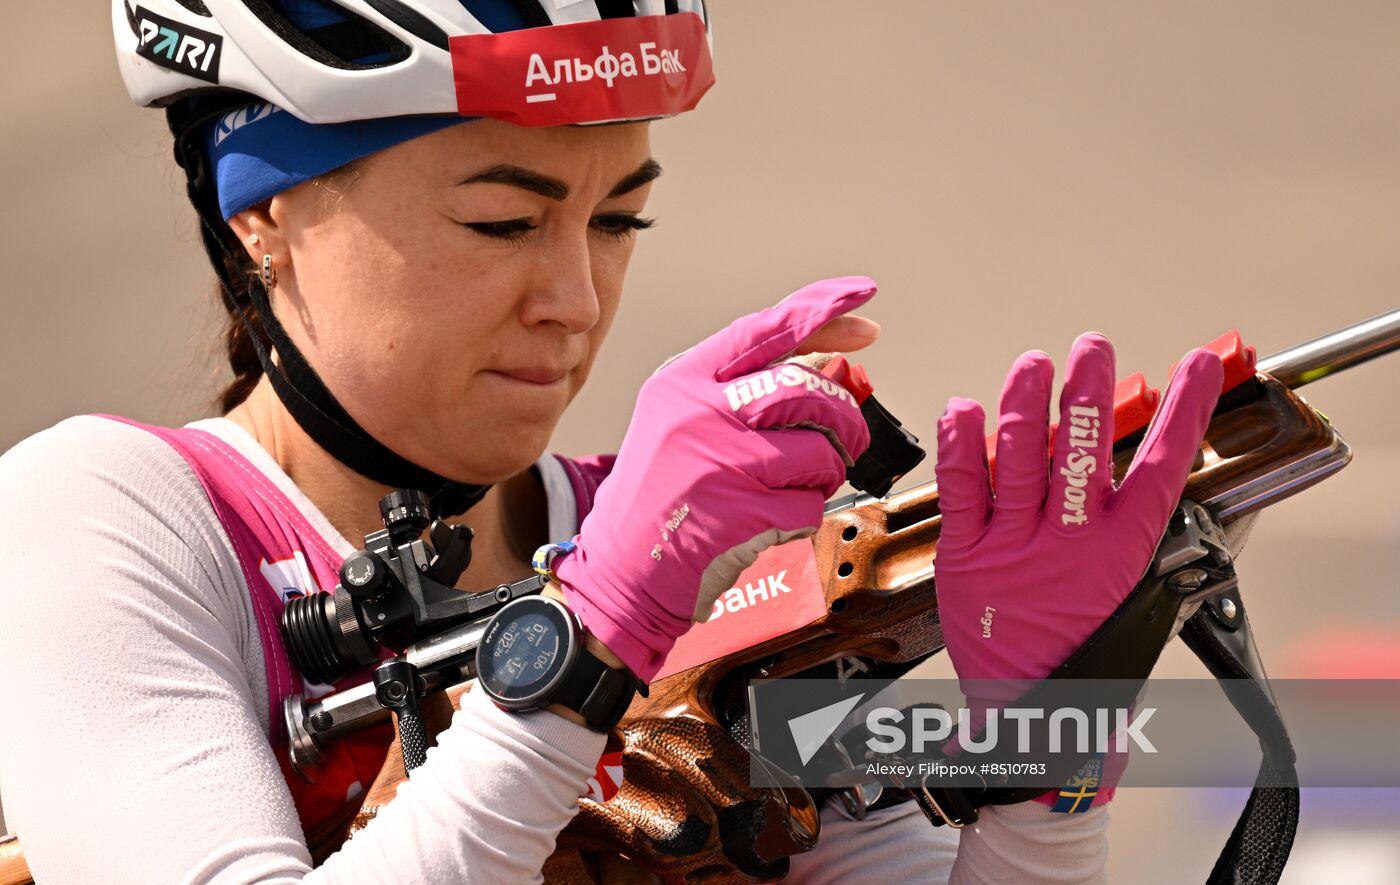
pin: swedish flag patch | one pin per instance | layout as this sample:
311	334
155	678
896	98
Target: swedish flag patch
1077	795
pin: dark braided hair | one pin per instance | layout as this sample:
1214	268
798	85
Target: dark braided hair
238	344
233	268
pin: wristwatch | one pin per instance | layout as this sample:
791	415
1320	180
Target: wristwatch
532	656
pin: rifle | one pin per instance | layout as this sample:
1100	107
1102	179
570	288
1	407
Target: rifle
684	748
686	805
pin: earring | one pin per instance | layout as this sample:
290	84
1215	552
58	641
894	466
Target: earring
254	240
268	274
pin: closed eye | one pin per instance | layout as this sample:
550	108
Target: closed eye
621	225
514	230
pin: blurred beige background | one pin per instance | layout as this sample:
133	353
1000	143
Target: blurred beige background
1011	173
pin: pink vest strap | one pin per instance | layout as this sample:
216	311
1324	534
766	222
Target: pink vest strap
281	555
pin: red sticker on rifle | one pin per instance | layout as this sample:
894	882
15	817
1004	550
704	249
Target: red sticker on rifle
779	593
586	72
606	779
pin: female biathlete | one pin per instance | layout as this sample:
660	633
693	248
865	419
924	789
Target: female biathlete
421	253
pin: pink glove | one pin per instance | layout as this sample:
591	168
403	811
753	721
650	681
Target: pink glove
1026	572
724	458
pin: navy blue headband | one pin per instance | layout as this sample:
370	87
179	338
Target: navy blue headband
260	150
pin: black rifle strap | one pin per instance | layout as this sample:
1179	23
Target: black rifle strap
1258	848
1219	634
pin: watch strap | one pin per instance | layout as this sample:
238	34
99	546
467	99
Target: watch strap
597	692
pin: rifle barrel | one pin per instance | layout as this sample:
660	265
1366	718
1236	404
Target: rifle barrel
1342	349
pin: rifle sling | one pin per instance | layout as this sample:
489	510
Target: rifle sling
1262	839
1126	647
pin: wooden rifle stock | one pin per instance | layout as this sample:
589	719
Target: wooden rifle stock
686	807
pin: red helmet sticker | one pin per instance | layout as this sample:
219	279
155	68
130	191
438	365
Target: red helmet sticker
586	72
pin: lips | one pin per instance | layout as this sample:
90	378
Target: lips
542	375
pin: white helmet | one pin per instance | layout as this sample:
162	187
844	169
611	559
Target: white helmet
574	61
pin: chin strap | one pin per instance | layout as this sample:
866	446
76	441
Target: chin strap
318	412
301	390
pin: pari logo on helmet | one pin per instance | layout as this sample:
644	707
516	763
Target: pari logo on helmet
585	72
176	45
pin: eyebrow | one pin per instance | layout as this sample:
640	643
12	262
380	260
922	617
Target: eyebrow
553	188
644	174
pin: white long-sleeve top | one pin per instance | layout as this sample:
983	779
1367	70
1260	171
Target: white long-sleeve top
134	740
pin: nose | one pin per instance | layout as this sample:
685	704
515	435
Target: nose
563	293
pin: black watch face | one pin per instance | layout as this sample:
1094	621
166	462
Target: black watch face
525	648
